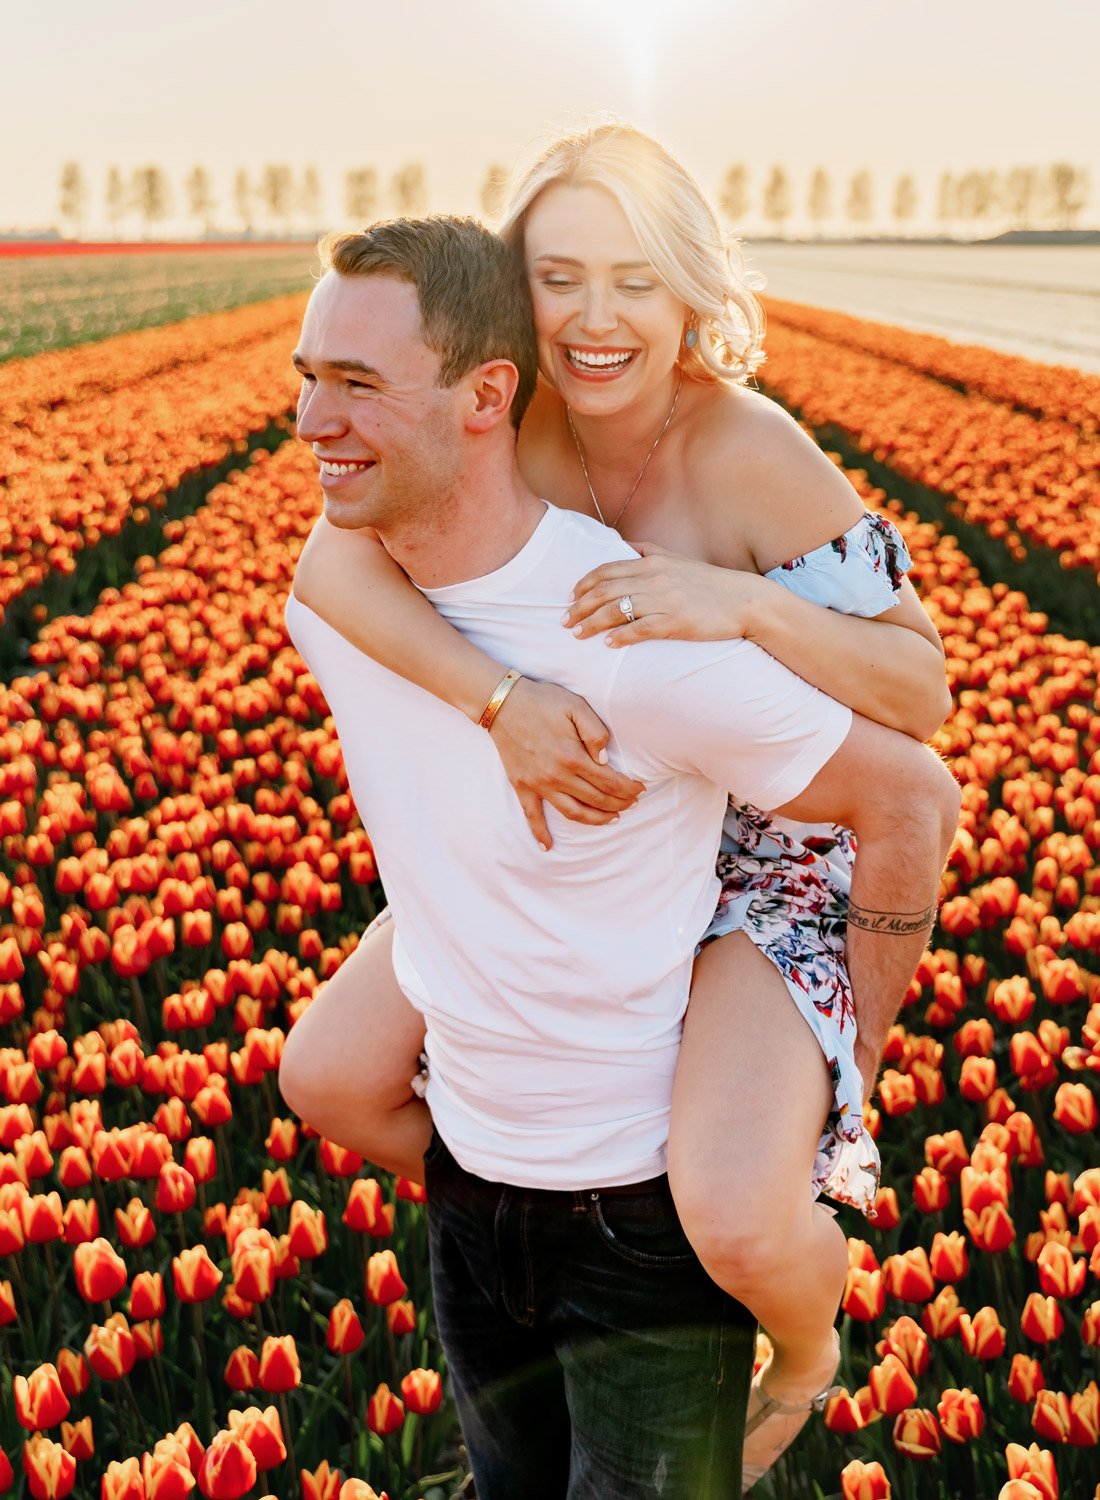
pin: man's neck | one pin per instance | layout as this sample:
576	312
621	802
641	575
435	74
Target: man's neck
475	530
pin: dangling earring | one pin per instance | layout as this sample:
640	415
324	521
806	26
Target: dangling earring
691	337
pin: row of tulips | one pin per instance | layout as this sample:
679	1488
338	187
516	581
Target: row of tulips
1028	481
182	867
1043	390
171	795
77	469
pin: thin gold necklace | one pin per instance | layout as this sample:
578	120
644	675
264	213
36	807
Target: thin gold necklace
641	471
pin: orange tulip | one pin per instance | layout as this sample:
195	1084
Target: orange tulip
842	1413
961	1415
384	1280
279	1367
147	1299
909	1342
422	1391
1025	1379
983	1335
366	1211
401	1316
917	1433
1084	1412
345	1332
1075	1108
122	1481
864	1481
908	1275
110	1348
77	1438
948	1257
99	1270
40	1399
228	1468
308	1235
892	1387
322	1484
262	1431
195	1275
385	1412
242	1369
73	1372
1050	1418
1041	1319
50	1471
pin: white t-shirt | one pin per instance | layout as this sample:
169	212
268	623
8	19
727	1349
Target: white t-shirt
554	984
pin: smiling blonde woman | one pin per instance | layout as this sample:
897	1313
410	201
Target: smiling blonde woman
647	334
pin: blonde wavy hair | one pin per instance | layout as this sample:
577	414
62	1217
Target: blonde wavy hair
679	234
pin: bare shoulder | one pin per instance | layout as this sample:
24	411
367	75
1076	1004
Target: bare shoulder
752	459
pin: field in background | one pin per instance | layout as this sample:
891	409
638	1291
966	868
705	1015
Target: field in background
54	301
1039	301
181	867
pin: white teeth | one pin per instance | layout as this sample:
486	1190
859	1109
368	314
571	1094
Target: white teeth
599	361
336	470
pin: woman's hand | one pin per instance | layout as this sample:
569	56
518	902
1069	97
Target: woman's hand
673	597
553	746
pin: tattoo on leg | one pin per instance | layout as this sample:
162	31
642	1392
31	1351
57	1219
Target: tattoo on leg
892	923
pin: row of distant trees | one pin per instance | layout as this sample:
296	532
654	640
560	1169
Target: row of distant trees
275	199
1020	198
278	200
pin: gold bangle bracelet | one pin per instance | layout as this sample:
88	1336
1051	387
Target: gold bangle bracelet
500	692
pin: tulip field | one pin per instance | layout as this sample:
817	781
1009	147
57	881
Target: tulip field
198	1293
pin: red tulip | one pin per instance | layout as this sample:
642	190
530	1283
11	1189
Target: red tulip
147	1299
263	1433
110	1348
77	1438
135	1224
322	1484
864	1295
73	1372
279	1367
917	1433
1025	1379
242	1369
948	1257
195	1275
961	1416
228	1468
1050	1418
908	1275
909	1342
99	1270
384	1280
843	1414
1041	1319
122	1481
1084	1408
385	1412
864	1481
345	1332
983	1335
422	1391
1059	1274
40	1400
401	1316
50	1471
366	1211
1075	1108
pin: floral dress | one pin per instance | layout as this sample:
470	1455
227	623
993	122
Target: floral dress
786	884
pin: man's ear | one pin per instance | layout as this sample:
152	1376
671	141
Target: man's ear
492	388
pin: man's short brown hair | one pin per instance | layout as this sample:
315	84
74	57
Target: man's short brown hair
474	301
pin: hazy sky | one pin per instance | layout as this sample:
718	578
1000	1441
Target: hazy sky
457	84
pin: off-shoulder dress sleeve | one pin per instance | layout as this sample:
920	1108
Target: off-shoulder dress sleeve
858	573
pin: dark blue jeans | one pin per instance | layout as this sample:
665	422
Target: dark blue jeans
591	1356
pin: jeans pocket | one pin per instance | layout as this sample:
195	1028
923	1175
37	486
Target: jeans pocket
643	1229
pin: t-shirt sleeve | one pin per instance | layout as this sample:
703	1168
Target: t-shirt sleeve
728	711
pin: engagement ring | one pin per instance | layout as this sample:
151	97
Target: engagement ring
626	607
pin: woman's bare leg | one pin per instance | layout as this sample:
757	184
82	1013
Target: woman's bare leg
350	1058
751	1095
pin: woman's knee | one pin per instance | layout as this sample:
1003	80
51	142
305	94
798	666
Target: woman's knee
741	1226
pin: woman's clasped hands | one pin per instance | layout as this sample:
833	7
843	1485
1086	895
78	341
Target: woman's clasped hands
671	598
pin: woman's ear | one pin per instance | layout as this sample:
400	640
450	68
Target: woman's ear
493	387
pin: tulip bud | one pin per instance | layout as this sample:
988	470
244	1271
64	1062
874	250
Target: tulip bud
366	1212
122	1481
983	1335
279	1367
842	1413
242	1369
892	1387
73	1372
308	1235
961	1415
422	1391
322	1484
40	1399
99	1270
1084	1412
948	1257
1041	1319
384	1280
345	1331
195	1275
401	1316
930	1191
110	1348
908	1275
147	1299
385	1412
864	1481
228	1468
77	1438
864	1295
50	1471
917	1433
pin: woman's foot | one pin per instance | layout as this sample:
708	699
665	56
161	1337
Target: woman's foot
772	1424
